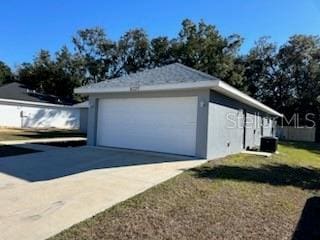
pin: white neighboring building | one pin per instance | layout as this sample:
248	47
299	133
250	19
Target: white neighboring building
24	108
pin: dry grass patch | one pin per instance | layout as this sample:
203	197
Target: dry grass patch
238	197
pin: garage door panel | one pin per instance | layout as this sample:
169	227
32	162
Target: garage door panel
155	124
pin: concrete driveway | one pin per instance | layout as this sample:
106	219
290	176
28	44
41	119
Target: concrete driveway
43	193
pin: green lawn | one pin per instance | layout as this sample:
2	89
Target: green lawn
7	134
238	197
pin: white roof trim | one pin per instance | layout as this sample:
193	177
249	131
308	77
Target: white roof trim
232	92
216	85
144	88
11	101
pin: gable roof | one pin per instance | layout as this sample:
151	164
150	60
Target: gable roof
172	77
18	91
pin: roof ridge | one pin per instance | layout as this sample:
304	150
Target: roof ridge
139	72
197	71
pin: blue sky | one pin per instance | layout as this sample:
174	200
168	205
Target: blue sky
28	26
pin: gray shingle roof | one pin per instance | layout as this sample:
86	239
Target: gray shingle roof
169	74
18	91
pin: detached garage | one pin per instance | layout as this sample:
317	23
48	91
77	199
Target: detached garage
175	109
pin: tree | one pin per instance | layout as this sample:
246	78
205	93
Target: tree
67	73
299	62
288	78
44	72
160	52
95	54
37	75
203	48
262	72
133	52
56	76
26	75
6	75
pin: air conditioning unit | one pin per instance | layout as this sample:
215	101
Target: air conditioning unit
269	144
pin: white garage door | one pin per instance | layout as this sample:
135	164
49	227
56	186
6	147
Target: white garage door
154	124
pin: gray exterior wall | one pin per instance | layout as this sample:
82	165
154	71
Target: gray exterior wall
92	121
226	126
202	116
224	135
83	120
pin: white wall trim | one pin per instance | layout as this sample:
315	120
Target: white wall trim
11	101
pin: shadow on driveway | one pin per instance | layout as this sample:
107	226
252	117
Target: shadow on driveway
67	161
8	150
